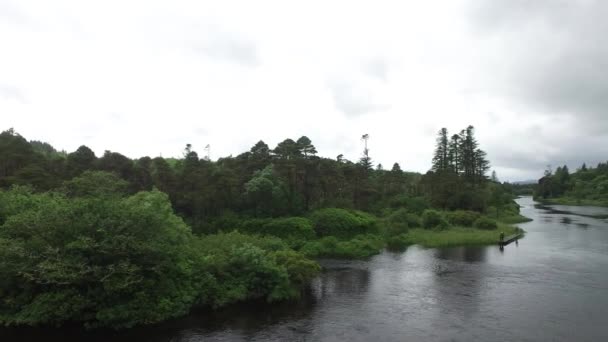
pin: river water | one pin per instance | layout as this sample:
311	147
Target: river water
551	286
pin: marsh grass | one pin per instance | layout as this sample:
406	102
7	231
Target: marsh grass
455	236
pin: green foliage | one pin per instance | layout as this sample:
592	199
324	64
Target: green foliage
455	236
290	228
117	262
90	251
432	219
342	223
361	246
397	222
265	193
462	218
586	186
294	230
299	269
485	223
96	184
248	267
413	204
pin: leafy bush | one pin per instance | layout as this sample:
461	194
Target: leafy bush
299	269
342	223
412	204
290	227
462	218
361	246
120	262
433	219
396	223
295	230
95	184
103	262
247	266
398	242
485	223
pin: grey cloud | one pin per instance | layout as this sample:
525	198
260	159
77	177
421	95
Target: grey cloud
530	153
353	98
556	55
12	93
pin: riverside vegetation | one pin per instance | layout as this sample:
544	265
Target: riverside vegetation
115	242
586	186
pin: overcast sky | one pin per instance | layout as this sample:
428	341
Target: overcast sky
147	77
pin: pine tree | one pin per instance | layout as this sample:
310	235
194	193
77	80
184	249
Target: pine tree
482	166
454	154
440	159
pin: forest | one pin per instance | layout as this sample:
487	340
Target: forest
116	242
585	186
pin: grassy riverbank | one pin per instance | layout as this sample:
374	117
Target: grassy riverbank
455	236
573	201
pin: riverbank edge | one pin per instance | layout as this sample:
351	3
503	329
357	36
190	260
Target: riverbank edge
454	237
572	201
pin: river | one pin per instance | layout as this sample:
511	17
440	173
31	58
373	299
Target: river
551	286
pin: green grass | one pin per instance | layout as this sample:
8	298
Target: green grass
573	201
456	236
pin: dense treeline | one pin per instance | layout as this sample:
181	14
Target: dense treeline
588	185
112	241
285	181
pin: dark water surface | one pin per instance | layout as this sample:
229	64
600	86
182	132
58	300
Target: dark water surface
552	286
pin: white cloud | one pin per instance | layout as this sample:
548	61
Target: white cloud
147	77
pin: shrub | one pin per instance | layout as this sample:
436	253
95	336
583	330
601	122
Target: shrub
113	262
295	230
412	204
95	184
247	266
413	221
485	223
462	218
227	222
398	242
361	246
253	226
342	223
433	219
396	223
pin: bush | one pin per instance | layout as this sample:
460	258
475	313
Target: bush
295	230
412	204
485	223
433	219
95	184
298	228
413	221
248	267
119	262
396	223
361	246
398	242
342	223
102	262
462	218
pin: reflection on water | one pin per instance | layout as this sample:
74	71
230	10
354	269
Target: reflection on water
468	254
552	286
341	281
